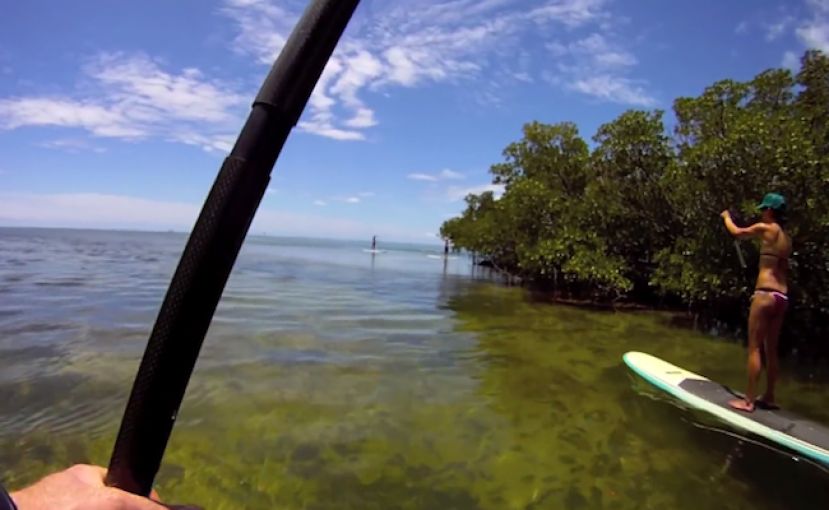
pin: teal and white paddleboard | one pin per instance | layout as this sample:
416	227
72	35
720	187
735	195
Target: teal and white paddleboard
804	437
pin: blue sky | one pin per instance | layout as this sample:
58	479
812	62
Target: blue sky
118	114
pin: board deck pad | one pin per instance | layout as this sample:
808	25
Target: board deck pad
777	419
799	435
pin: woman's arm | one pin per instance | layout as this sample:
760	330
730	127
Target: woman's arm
755	230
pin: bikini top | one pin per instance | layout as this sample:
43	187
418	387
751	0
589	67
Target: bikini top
775	255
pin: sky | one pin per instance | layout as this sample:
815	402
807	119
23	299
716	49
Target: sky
119	114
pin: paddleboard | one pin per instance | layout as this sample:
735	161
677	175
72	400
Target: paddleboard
807	438
374	251
433	256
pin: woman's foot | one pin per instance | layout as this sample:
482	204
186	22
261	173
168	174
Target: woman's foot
767	402
742	405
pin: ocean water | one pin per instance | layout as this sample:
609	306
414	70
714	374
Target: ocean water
331	378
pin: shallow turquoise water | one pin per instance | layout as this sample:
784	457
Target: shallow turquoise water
334	379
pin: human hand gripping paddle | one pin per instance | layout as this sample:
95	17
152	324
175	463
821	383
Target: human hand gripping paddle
214	243
727	214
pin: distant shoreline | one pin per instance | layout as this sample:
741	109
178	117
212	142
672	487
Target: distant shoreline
435	246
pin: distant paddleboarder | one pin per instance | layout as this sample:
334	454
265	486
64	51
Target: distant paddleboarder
769	300
446	248
373	243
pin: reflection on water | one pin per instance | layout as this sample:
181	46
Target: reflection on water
332	378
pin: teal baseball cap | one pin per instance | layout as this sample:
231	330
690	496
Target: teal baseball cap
773	201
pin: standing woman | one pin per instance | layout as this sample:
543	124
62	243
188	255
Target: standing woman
770	298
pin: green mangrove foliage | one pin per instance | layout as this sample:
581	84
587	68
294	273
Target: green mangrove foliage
636	215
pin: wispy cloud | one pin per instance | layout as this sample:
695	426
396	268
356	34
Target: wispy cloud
741	28
347	199
263	27
422	177
613	88
444	174
779	27
456	193
98	210
790	61
94	209
405	43
389	45
133	97
597	68
209	142
813	30
523	76
72	145
815	34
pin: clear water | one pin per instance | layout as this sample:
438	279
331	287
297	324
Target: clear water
334	379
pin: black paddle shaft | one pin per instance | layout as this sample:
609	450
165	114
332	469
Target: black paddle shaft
215	242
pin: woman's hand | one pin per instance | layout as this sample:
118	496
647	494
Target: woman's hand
725	214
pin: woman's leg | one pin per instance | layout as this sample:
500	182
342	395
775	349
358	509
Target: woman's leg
772	363
757	329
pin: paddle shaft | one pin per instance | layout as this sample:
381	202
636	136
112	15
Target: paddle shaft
740	254
214	243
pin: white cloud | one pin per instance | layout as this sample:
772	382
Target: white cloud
445	174
324	128
595	67
523	76
791	61
210	143
393	43
421	177
819	5
571	13
450	174
813	31
613	88
778	28
353	199
271	191
155	94
96	210
407	43
363	118
741	28
263	27
132	97
72	145
98	119
455	193
815	34
603	54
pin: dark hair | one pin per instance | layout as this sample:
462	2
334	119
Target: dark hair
779	214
